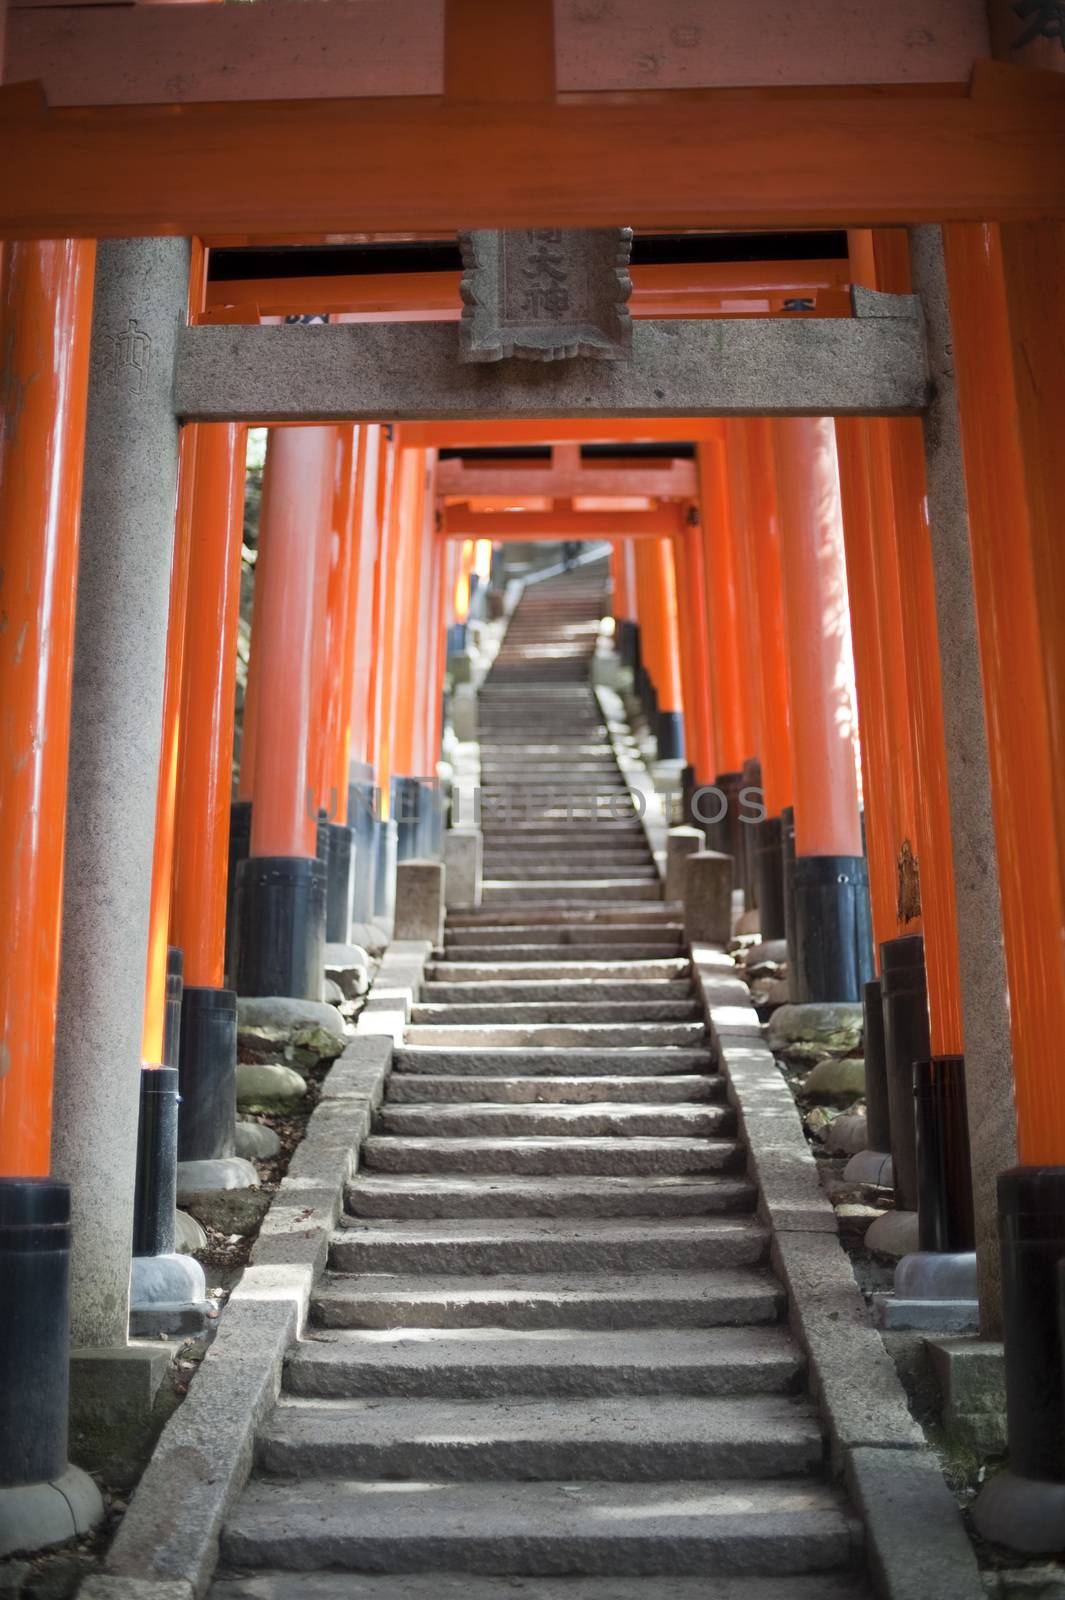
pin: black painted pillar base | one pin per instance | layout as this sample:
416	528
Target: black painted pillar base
155	1197
43	1500
405	808
385	856
944	1172
207	1072
239	850
175	984
904	992
362	810
1024	1508
831	928
340	881
768	865
281	903
750	780
877	1103
669	735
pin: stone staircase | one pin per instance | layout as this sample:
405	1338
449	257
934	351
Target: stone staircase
549	1357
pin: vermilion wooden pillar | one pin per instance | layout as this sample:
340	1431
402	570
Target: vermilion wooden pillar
732	715
281	891
208	1042
45	315
410	512
695	652
1008	341
153	1047
338	629
830	958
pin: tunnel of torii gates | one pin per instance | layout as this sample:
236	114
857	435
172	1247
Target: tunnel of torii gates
831	480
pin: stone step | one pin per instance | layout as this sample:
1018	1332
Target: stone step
562	1011
662	937
547	1245
662	967
621	1438
584	890
701	1527
604	830
545	1157
519	990
465	1586
498	1120
419	1088
726	1297
559	1035
502	869
635	853
556	1063
660	913
473	1363
554	952
399	1195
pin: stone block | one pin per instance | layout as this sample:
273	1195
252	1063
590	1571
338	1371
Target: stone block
463	869
307	1029
464	712
708	898
680	844
420	901
114	1418
916	1541
971	1374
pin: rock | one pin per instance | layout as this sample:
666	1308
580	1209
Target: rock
332	993
819	1120
348	967
774	951
225	1172
750	922
366	936
848	1134
837	1078
256	1142
188	1235
894	1235
267	1082
305	1029
778	992
816	1029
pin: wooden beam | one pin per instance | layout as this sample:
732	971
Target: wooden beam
475	434
459	522
663	479
688	289
411	371
760	159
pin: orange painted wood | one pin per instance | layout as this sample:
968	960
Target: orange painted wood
296	504
363	639
818	638
204	779
748	618
732	716
45	319
574	430
335	712
764	535
666	478
720	159
458	522
1006	344
166	789
384	591
689	289
700	748
499	53
406	614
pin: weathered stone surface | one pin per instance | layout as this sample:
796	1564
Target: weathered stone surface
468	1586
839	1079
420	901
303	1029
424	1195
332	993
916	1542
348	966
816	1029
893	1235
463	866
708	898
971	1374
680	844
256	1142
847	1135
226	1172
268	1081
188	1233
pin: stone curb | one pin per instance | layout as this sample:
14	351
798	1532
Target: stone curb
167	1546
916	1541
634	770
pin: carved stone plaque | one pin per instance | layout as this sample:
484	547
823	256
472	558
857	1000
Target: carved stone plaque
546	294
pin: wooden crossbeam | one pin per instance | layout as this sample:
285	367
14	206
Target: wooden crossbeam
460	522
757	159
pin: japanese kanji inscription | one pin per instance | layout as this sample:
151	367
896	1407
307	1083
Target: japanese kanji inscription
546	294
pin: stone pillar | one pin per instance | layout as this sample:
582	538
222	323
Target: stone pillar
420	901
708	898
680	844
985	998
463	871
127	536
